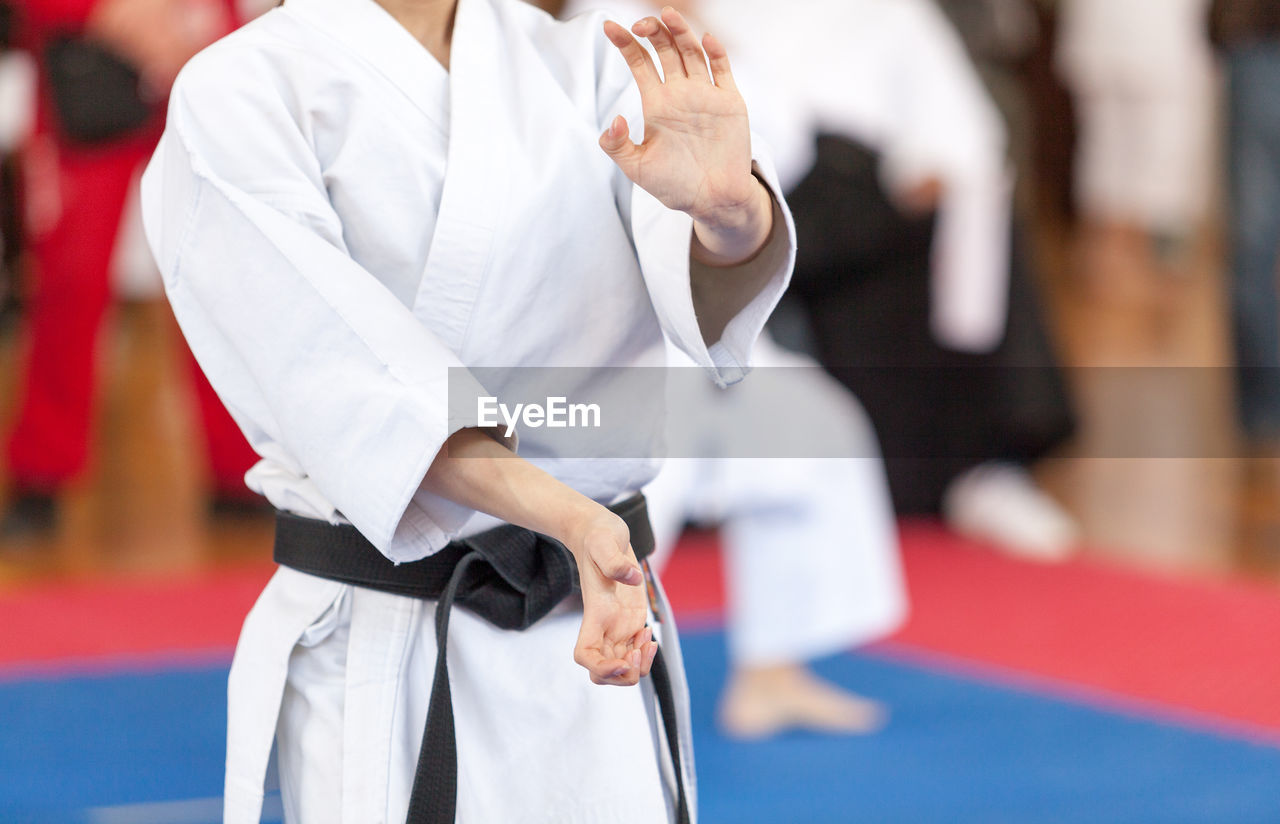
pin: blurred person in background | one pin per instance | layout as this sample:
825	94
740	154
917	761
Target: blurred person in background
1029	413
812	564
1141	75
916	296
1248	34
811	557
105	67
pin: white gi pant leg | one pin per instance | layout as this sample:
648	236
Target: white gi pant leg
817	574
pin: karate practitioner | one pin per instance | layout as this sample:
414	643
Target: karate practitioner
358	205
905	88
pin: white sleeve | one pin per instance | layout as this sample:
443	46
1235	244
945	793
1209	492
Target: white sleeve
663	239
326	371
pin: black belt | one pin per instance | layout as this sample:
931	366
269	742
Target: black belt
509	576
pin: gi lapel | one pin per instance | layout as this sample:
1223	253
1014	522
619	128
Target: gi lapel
482	145
481	141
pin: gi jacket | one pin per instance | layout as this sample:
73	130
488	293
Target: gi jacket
340	222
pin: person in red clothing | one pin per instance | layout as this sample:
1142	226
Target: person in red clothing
76	190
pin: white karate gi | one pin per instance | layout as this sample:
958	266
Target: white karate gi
339	221
812	562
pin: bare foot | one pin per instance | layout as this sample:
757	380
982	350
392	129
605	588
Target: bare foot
760	702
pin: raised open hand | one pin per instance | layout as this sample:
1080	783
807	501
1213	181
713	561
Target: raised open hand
696	155
614	644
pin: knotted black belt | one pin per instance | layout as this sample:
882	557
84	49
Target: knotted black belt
509	576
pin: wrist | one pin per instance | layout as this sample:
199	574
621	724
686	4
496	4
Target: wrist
732	235
578	517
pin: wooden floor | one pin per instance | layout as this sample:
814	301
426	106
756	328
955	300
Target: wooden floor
1147	347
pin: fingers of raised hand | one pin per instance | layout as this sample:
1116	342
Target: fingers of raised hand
653	29
642	68
616	142
681	53
719	59
695	61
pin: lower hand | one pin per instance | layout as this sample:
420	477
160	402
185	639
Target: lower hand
475	471
614	645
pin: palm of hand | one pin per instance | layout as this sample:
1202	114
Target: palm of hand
613	620
696	147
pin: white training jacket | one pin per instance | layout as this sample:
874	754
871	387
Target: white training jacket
339	221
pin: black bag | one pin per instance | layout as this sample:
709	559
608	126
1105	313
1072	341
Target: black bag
97	96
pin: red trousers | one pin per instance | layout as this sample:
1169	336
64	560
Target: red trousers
50	443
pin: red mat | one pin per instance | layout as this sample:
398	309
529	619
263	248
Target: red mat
1208	647
1212	648
101	622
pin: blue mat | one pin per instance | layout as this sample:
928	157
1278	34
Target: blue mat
957	750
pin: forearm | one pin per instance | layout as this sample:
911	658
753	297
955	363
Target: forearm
477	472
721	292
474	470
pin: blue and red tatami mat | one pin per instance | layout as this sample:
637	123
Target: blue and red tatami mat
1019	693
